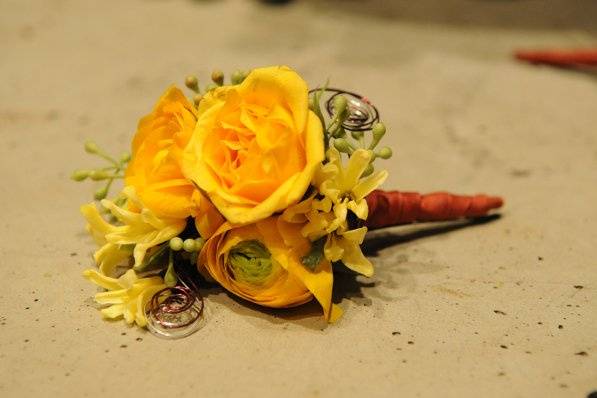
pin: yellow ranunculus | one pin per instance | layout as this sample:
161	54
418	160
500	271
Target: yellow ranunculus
256	145
261	262
154	170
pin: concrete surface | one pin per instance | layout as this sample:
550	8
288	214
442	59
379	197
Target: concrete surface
501	309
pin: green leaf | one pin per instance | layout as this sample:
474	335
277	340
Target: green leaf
170	278
315	255
158	259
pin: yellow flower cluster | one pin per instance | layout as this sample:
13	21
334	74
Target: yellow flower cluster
339	190
126	296
141	229
230	166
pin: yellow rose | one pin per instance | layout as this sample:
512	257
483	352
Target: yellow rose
154	170
256	145
261	262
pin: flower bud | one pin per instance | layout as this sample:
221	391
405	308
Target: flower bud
368	171
197	99
192	83
98	175
340	133
342	145
170	277
217	76
379	130
237	77
176	244
385	153
80	175
91	147
101	193
199	243
357	135
125	157
189	245
340	105
210	86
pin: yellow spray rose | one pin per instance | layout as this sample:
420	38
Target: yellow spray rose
256	145
154	170
261	262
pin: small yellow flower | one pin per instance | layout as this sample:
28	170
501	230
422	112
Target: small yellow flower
109	255
325	213
142	228
126	296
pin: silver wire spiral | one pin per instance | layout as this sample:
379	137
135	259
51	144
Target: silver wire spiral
362	114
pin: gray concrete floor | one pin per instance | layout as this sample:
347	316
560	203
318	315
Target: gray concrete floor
505	308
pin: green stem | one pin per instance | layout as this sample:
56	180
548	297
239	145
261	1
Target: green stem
109	158
170	278
109	184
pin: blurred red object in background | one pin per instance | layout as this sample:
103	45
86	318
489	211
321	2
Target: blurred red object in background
570	58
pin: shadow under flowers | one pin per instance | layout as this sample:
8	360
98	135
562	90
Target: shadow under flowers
396	273
381	239
307	315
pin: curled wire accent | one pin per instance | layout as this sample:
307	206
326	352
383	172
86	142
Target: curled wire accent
175	312
362	114
175	307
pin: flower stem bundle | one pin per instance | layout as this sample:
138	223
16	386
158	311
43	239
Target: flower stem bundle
392	208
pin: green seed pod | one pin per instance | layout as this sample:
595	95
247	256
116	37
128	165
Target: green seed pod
189	245
379	130
385	153
197	99
192	83
342	145
170	278
91	147
176	244
340	133
210	86
357	135
101	193
217	76
98	175
199	243
125	157
80	175
340	105
368	171
237	77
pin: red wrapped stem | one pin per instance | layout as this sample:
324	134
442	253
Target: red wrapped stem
390	208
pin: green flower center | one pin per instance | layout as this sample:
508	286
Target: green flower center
250	262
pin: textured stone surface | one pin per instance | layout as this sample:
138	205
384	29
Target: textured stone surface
498	309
